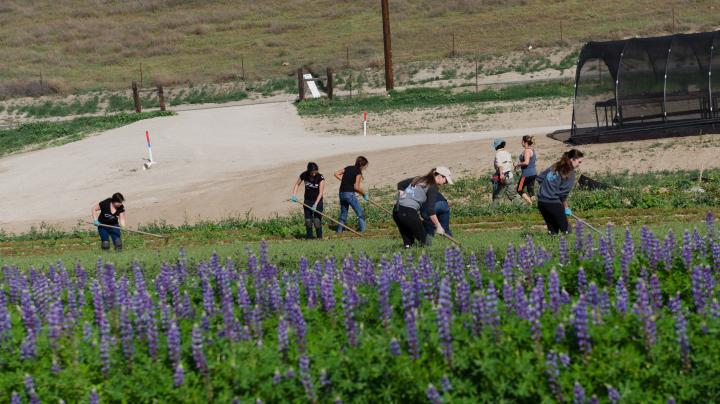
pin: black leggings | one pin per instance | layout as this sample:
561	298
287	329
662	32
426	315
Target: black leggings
527	183
554	215
410	226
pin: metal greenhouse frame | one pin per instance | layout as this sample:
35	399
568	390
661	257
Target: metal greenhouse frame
647	87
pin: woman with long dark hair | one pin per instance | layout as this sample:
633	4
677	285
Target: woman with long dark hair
556	182
350	180
413	193
112	213
313	197
528	171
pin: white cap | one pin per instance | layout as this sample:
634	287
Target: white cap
445	172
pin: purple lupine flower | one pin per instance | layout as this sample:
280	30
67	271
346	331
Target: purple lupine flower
534	311
554	291
55	322
29	345
668	248
306	377
444	318
709	282
656	293
445	384
681	329
174	345
698	243
327	293
277	377
687	250
290	373
478	311
126	332
94	399
607	260
384	297
324	379
613	394
411	329
105	340
433	395
593	400
491	317
30	389
671	400
509	262
490	260
559	333
15	398
395	349
605	305
581	326
565	297
475	273
197	351
520	301
283	339
621	297
553	373
564	359
628	253
563	251
578	394
349	303
28	310
579	237
697	280
179	376
5	319
462	295
645	311
152	334
582	281
593	298
508	296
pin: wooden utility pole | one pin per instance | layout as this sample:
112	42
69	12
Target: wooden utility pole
301	84
136	97
389	76
161	97
330	83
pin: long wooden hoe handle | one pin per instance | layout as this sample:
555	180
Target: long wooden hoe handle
451	238
330	219
377	205
131	231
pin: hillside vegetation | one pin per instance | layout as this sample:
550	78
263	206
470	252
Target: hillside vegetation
88	44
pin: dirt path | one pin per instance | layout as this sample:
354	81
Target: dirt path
215	163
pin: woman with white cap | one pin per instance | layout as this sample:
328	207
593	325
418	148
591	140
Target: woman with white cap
414	193
503	181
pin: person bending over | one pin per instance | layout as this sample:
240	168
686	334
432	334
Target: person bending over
112	213
556	182
442	211
412	194
313	197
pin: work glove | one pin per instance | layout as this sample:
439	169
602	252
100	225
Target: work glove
568	212
366	197
293	198
96	223
314	207
440	231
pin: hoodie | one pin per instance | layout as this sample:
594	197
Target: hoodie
553	188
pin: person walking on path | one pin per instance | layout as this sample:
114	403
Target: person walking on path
528	172
503	181
350	180
313	197
412	194
556	182
442	211
112	213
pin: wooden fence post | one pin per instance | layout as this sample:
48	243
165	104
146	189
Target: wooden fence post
330	82
301	84
136	97
161	97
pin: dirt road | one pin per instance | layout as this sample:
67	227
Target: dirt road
228	161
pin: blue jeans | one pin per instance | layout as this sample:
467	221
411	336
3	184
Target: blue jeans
442	211
349	200
106	233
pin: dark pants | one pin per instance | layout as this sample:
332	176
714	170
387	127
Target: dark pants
107	233
313	219
554	215
410	226
527	183
442	211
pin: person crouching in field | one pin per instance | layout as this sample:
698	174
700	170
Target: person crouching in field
112	213
526	163
556	182
314	190
442	211
412	194
503	181
350	180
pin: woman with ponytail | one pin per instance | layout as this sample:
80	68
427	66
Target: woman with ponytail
350	179
314	189
556	182
526	163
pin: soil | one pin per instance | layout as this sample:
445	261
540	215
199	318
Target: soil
215	163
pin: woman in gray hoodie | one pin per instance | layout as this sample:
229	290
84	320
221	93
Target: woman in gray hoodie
556	182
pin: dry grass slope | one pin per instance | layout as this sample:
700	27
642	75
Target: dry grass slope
80	44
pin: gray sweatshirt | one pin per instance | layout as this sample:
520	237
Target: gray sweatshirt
416	196
553	188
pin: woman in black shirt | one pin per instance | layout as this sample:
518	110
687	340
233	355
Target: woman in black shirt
112	213
314	190
350	179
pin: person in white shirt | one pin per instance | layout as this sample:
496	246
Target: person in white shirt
503	181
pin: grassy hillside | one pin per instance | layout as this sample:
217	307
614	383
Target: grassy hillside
82	44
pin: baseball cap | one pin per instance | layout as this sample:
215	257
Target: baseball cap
497	142
445	172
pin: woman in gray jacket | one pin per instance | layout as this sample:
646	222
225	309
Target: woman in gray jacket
414	193
556	182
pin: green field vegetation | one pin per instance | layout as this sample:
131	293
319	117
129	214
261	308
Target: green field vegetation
430	97
85	44
32	136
